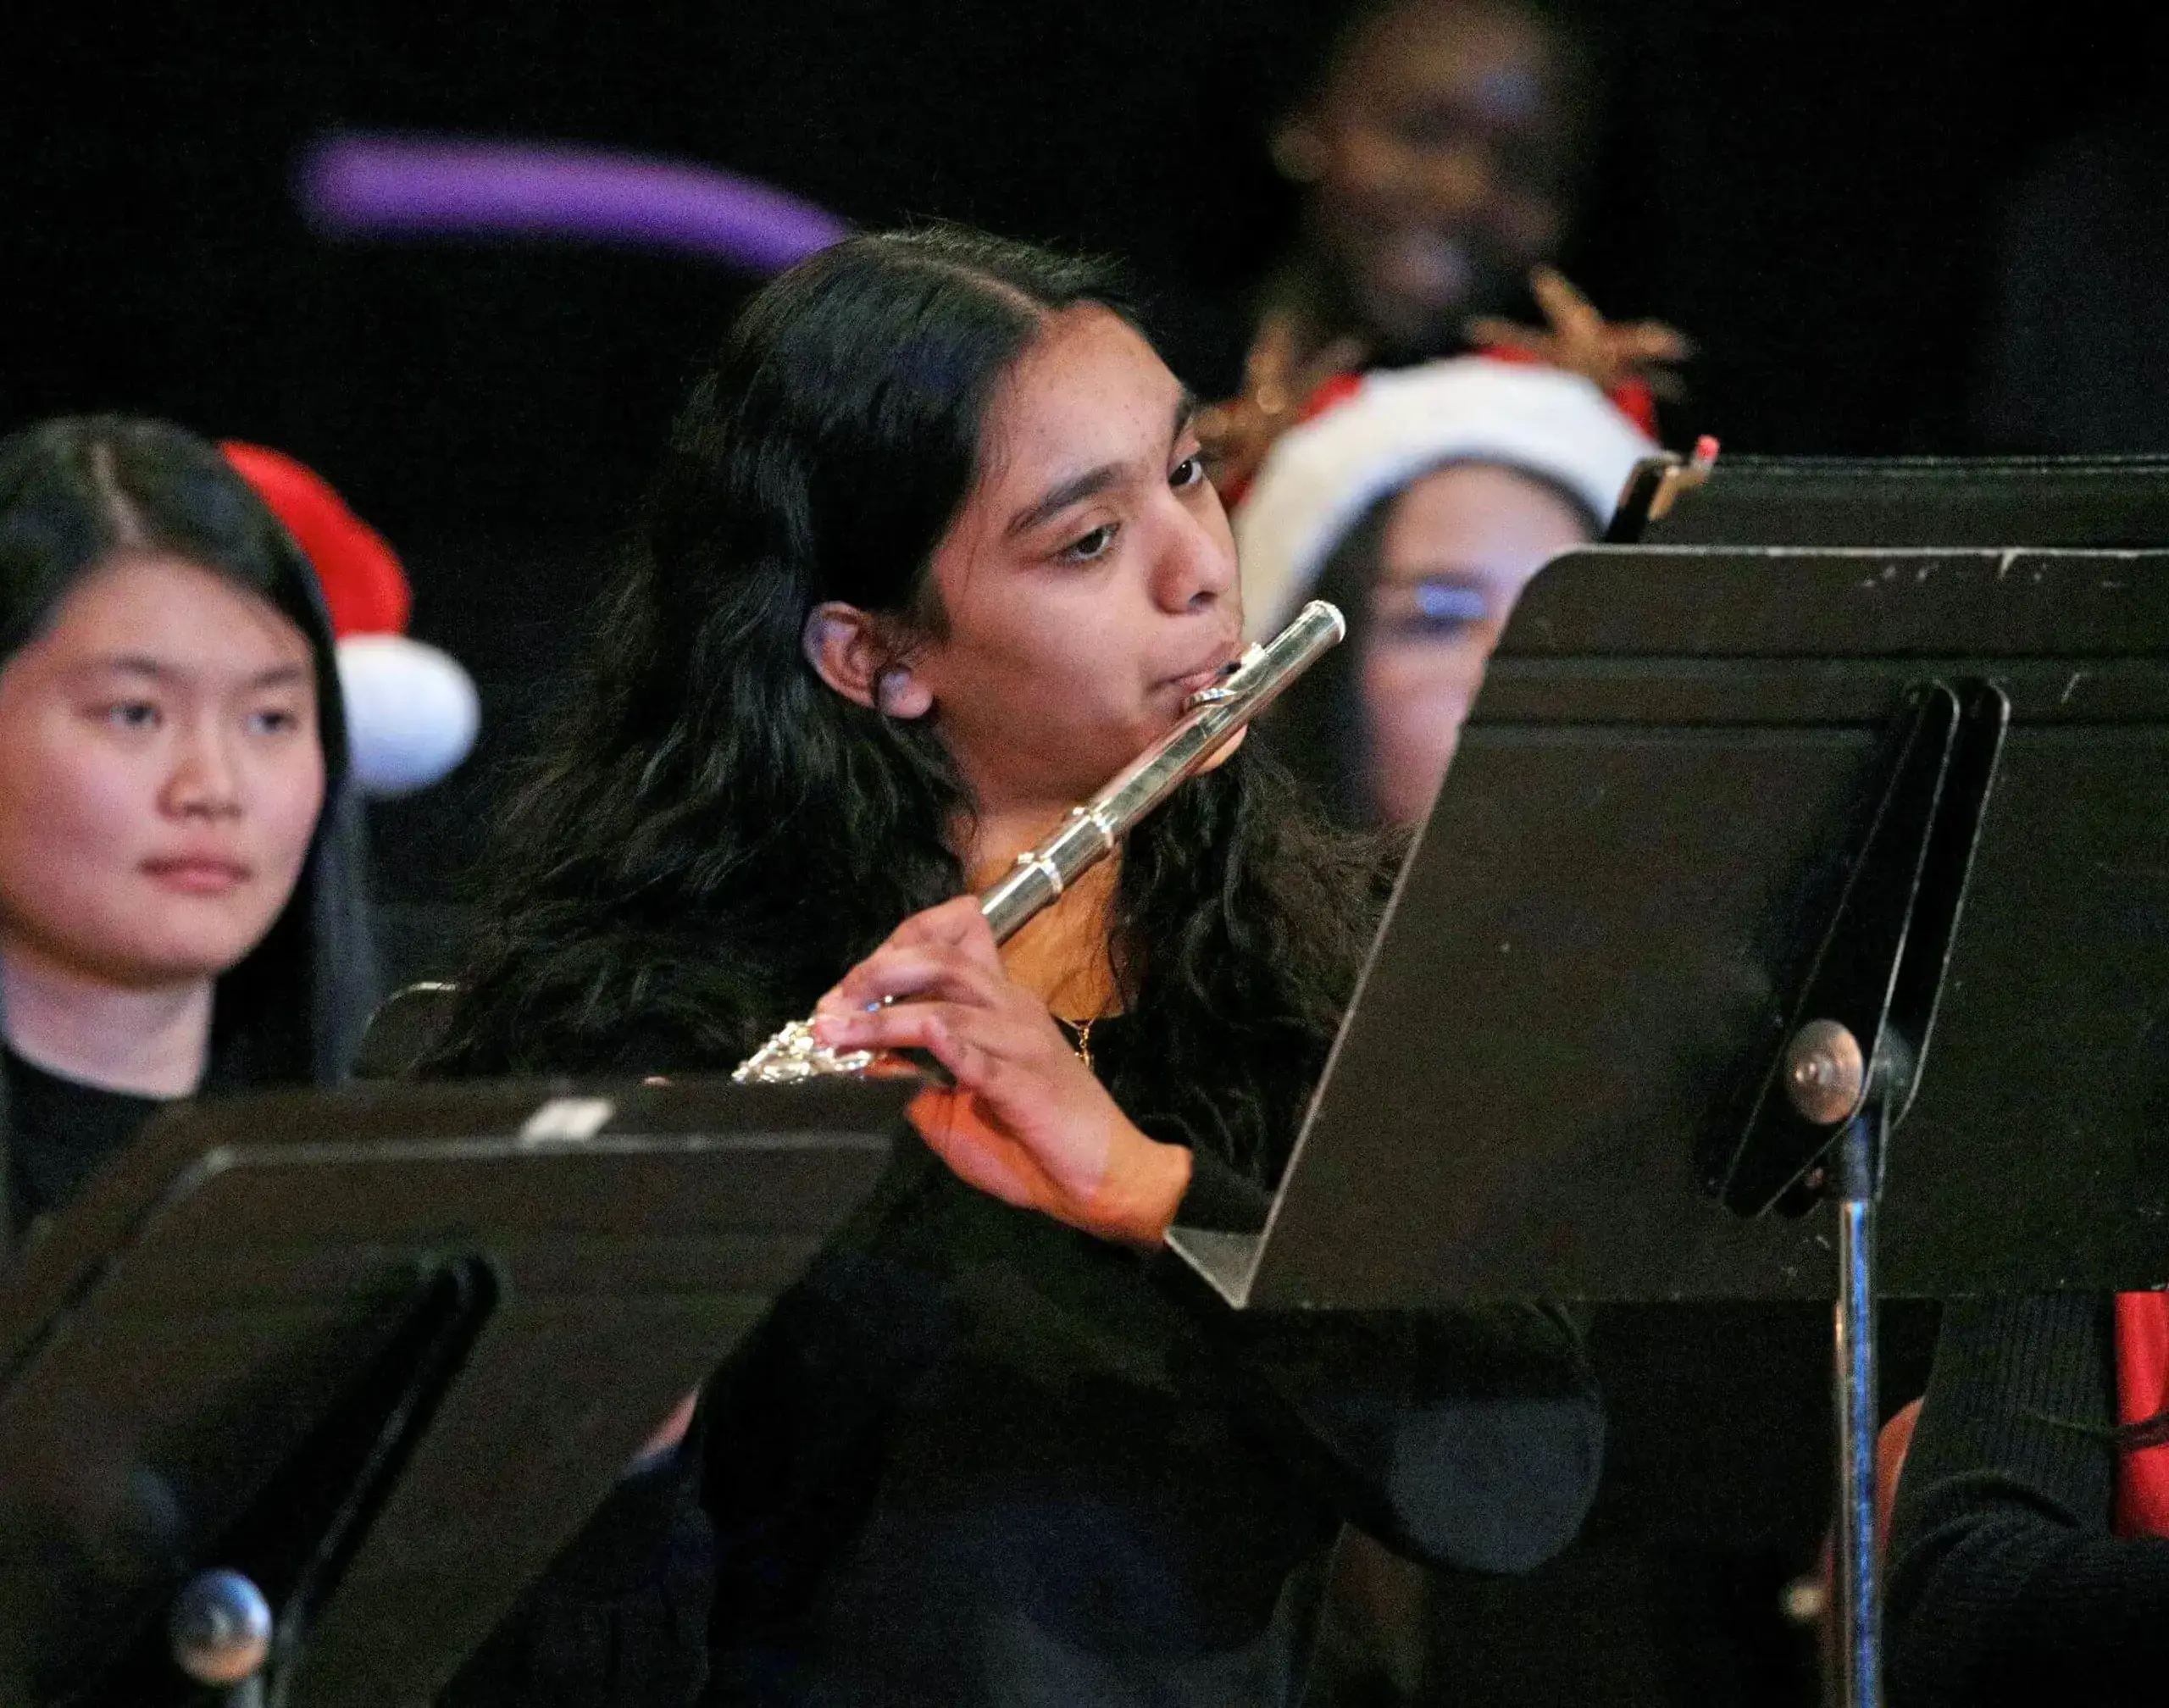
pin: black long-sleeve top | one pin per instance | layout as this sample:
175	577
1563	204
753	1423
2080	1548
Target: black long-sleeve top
2006	1584
979	1457
57	1132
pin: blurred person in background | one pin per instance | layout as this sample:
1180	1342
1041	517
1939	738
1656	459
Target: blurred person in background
1421	506
1438	152
1421	503
180	899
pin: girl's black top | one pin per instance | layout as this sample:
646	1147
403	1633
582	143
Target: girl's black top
60	1131
2006	1583
977	1457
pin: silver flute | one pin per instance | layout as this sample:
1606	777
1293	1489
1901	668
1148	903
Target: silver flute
1092	832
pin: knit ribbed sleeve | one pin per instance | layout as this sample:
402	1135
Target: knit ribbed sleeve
2005	1582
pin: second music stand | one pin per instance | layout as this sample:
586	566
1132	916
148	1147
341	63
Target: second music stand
1709	798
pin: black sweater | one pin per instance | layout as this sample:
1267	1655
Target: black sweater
2006	1584
60	1131
977	1457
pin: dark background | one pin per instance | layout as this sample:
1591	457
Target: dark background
1809	190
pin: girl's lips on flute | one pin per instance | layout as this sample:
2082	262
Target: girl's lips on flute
1223	668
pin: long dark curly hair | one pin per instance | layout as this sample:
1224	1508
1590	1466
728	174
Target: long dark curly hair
713	836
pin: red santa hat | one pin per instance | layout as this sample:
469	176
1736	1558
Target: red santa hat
412	712
1321	478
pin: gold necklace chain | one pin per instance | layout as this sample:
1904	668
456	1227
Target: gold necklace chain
1083	1029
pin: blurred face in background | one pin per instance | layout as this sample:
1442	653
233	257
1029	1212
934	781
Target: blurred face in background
160	776
1439	150
1459	546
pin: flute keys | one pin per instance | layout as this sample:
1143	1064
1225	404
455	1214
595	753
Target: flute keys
794	1056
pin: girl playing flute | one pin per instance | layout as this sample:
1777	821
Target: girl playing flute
932	555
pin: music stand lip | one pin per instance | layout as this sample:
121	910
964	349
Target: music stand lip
2093	503
168	1160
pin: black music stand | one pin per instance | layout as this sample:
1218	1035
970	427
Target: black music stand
383	1352
1709	798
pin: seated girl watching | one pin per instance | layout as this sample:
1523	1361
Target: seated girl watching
179	908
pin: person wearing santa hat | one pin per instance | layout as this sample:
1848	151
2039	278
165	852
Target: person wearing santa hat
181	902
1421	504
412	711
1420	501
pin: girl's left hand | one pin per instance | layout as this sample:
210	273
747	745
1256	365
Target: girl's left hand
1026	1121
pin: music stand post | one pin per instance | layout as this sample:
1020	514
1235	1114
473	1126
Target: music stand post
1860	1596
1878	976
1658	982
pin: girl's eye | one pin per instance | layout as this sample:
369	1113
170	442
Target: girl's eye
132	714
1435	608
276	722
1188	473
1448	604
1088	547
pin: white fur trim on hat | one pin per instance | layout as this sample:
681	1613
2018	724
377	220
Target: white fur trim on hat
412	712
1320	479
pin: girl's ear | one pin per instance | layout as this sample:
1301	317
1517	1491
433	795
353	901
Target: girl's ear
848	652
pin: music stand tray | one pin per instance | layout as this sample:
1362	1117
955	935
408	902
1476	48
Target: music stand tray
1594	955
384	1350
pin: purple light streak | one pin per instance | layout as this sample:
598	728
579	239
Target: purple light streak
359	185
